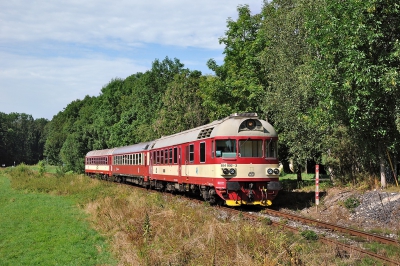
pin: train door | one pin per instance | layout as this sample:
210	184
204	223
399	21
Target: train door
150	163
178	161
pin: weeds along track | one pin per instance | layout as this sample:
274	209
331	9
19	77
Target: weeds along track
334	227
341	248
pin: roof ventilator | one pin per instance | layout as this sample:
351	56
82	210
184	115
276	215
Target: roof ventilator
205	133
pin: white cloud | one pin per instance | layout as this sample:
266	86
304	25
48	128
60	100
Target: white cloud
179	22
53	52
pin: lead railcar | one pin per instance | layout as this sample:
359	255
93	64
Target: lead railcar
232	160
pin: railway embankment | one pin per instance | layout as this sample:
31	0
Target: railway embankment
372	210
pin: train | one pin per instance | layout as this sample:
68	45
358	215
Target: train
231	161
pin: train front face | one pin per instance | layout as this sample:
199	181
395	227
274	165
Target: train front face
247	165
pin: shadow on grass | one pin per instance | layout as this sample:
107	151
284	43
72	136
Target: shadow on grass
291	196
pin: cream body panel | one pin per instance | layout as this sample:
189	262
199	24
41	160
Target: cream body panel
98	167
215	170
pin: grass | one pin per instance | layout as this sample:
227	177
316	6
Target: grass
45	214
42	229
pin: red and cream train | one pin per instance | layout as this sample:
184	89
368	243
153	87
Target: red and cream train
232	160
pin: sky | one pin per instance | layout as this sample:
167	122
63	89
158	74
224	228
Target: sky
55	52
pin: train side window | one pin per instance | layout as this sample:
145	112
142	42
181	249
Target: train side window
170	156
191	153
202	152
212	149
166	157
175	155
271	149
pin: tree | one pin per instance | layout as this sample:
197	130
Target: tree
357	65
21	138
147	94
290	102
182	108
239	84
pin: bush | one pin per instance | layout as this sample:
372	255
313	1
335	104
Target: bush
351	203
309	235
41	168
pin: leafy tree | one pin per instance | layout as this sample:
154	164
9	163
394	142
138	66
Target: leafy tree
21	138
182	108
239	84
147	98
60	127
290	101
357	71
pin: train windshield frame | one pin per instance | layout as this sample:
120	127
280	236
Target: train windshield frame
225	148
271	148
251	148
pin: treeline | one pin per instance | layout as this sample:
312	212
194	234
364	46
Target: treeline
324	73
22	139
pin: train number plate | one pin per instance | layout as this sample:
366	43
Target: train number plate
228	165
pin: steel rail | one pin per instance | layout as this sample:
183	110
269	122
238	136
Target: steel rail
354	232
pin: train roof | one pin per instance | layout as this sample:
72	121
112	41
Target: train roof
100	152
132	148
229	126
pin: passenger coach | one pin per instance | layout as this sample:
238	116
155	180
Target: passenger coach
233	160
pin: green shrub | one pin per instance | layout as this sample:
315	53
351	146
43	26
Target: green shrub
309	235
41	168
351	203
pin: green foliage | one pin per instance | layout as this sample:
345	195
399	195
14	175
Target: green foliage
351	203
146	226
21	139
182	105
357	71
291	103
309	235
239	84
41	168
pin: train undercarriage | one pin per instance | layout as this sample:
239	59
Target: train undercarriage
235	194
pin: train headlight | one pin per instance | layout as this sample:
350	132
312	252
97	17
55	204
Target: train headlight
270	171
232	171
276	171
225	171
250	124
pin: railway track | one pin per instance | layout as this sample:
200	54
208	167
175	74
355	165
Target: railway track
334	227
338	245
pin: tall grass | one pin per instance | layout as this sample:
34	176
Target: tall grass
150	228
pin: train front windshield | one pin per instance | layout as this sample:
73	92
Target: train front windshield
226	148
247	148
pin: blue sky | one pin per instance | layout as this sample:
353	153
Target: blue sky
54	52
